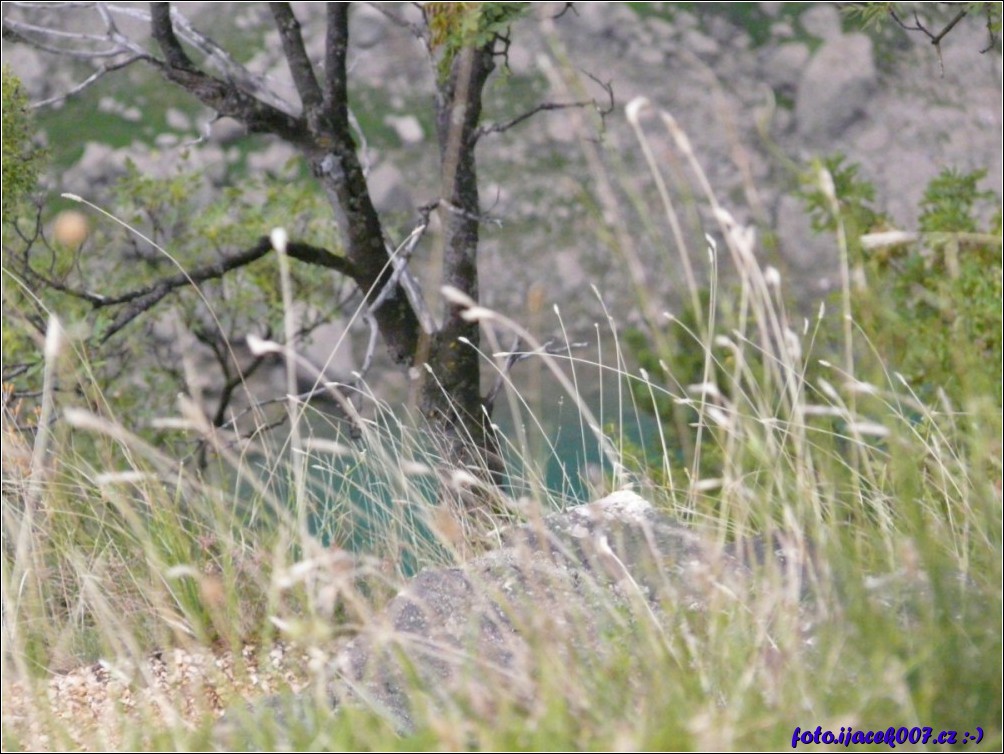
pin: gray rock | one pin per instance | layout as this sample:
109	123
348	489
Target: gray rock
388	190
661	29
578	575
648	54
98	165
561	127
522	60
108	105
407	128
835	88
113	106
165	141
783	120
781	30
784	65
274	159
40	77
821	20
368	27
226	130
874	138
177	120
597	19
700	44
568	266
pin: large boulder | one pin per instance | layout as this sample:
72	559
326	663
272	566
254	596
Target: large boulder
835	88
575	576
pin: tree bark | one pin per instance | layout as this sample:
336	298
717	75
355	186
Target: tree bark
450	397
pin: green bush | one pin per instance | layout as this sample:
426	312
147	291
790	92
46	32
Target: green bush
21	158
929	302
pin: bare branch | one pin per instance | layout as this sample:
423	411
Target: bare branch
216	57
114	43
568	7
52	6
336	46
419	31
93	78
25	32
371	343
993	38
23	27
328	389
324	133
143	299
402	276
223	62
224	97
606	86
935	38
163	32
296	58
300	251
497	128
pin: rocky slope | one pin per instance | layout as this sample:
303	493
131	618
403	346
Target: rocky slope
760	90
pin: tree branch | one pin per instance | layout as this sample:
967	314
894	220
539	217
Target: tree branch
497	128
336	163
226	98
300	251
91	46
919	26
93	78
142	299
12	32
514	356
21	31
163	33
229	68
336	46
567	7
323	134
296	57
419	31
934	38
403	279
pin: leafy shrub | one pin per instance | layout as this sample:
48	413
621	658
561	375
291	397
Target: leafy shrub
21	158
928	302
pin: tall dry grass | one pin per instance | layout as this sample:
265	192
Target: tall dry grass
116	552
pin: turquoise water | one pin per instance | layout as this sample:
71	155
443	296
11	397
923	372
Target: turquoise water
362	503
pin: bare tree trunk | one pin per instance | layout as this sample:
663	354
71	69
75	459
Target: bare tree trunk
451	397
